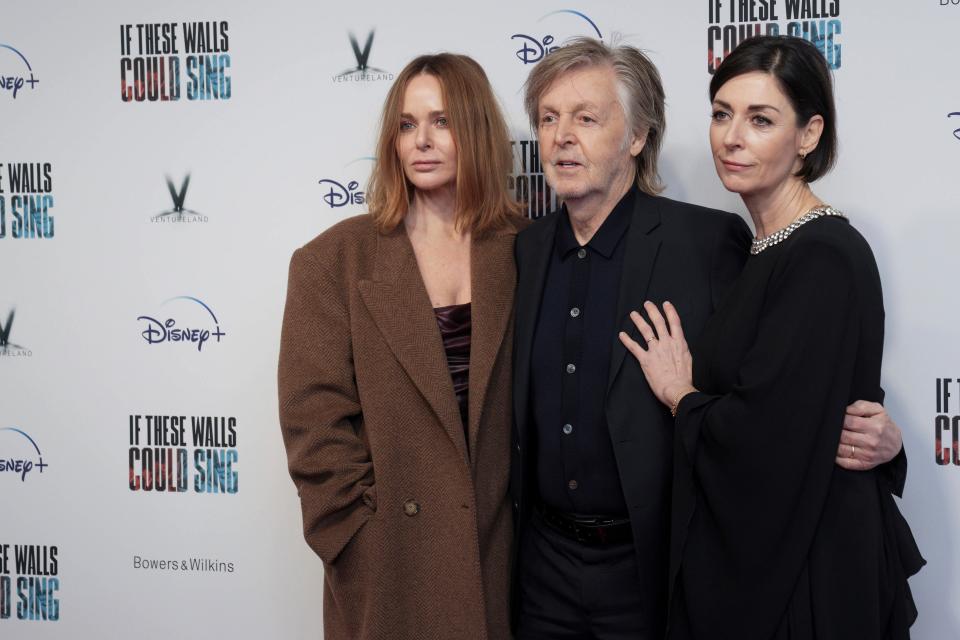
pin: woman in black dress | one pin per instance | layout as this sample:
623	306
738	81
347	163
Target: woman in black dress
770	538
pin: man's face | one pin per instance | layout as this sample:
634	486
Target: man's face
586	147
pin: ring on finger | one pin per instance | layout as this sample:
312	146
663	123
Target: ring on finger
853	451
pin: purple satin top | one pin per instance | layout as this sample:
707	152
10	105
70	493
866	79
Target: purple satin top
454	323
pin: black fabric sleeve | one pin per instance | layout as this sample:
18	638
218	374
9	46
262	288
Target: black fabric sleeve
762	455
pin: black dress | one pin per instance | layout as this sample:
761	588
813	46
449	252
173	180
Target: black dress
770	538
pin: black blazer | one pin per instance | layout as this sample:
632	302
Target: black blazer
683	253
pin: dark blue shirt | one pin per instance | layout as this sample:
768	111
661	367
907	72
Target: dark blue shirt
576	327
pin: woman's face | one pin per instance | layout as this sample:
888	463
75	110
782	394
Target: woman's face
425	143
754	135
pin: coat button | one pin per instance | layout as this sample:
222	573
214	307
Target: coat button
411	508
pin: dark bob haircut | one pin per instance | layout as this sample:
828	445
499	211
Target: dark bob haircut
803	76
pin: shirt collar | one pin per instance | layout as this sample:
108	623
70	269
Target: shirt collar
606	238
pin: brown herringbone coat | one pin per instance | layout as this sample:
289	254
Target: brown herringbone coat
412	524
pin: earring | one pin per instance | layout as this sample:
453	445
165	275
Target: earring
803	156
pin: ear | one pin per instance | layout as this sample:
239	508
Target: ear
810	134
637	143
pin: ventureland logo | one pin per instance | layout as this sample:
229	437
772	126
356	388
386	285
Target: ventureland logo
7	348
179	212
15	71
534	48
19	454
362	72
196	329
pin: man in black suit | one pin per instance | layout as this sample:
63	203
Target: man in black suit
592	447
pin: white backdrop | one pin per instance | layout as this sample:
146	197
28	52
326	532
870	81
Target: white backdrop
78	368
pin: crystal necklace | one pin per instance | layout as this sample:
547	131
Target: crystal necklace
759	244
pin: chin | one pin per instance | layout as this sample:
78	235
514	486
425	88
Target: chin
733	185
430	185
568	191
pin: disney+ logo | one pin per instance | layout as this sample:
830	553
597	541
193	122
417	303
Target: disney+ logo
338	195
956	132
16	81
158	332
533	49
21	465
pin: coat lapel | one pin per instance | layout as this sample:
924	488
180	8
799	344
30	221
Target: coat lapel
531	275
638	260
399	305
492	281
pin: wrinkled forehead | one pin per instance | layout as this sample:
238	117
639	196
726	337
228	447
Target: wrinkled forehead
584	86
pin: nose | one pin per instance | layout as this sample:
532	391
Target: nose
423	139
563	132
732	136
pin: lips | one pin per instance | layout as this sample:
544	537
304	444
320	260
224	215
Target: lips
566	164
426	164
730	165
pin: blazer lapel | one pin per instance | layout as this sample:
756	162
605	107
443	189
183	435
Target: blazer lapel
492	281
399	305
638	261
531	275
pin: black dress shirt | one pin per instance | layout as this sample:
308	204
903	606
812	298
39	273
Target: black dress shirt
576	469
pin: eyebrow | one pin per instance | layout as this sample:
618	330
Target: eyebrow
432	114
580	106
752	107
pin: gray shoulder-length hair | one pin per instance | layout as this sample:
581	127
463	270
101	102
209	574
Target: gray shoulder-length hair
640	92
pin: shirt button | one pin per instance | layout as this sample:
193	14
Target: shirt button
411	508
574	312
567	429
582	253
571	368
573	484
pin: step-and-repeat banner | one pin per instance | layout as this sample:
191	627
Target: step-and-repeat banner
160	161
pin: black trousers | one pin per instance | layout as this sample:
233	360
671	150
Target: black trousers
572	591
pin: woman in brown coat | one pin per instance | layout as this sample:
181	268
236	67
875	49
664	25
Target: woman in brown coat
394	372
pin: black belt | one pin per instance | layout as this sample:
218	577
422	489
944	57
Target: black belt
590	530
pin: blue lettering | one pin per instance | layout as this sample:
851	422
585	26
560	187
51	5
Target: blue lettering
956	134
11	83
532	50
37	601
339	196
23	467
214	471
31	217
157	332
